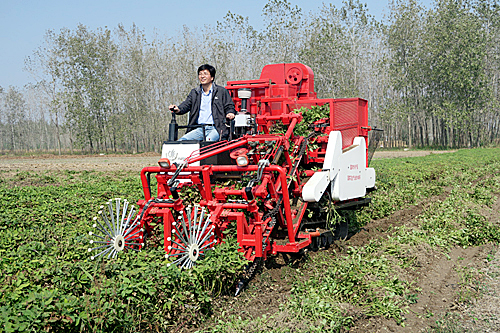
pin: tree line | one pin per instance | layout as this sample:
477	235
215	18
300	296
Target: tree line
430	75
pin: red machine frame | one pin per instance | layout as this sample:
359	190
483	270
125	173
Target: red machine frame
268	215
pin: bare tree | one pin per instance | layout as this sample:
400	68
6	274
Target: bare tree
14	116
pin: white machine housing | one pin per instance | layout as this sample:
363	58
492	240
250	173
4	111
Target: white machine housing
177	152
344	170
242	120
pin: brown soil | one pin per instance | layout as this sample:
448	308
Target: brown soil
436	274
407	153
133	163
436	277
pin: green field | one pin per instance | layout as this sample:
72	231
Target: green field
48	282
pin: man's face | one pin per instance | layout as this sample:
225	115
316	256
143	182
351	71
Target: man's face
205	77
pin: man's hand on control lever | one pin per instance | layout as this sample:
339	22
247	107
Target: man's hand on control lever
230	116
173	108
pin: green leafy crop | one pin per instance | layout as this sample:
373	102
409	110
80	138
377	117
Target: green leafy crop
49	283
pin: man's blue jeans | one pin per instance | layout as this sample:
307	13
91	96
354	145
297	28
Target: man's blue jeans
197	134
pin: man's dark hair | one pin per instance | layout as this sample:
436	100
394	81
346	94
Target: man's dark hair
209	68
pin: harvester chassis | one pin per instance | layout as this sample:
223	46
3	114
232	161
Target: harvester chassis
263	181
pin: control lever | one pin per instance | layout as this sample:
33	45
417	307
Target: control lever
230	124
173	127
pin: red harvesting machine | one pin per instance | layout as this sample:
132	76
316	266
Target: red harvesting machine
273	186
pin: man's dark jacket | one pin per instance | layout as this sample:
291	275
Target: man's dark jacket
222	104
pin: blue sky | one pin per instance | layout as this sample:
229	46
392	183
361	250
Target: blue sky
23	23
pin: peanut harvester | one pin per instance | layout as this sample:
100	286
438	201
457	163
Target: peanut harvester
272	185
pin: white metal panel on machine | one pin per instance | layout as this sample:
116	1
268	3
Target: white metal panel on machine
178	152
370	178
333	153
315	187
350	182
344	170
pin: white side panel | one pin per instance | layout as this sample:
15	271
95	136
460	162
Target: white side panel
178	152
350	182
242	120
333	153
370	178
316	186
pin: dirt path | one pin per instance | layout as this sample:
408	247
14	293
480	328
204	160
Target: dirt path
134	162
407	153
80	162
443	297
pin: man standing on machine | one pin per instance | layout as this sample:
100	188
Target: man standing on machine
208	105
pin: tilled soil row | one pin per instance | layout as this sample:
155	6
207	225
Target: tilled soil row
438	304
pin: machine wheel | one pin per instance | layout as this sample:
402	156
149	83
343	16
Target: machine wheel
116	229
192	235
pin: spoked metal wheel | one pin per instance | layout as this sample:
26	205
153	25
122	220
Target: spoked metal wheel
192	235
116	228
